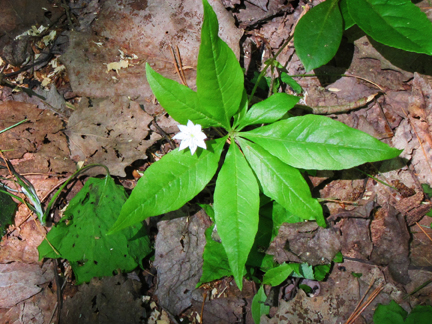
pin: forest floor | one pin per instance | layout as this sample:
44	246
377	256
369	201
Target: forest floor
98	108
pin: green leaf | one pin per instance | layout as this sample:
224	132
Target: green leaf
258	307
282	183
338	258
348	21
389	314
215	260
306	271
318	34
291	82
7	212
320	143
420	315
321	271
279	274
396	23
236	205
219	75
179	101
257	256
170	183
269	110
281	215
80	236
243	109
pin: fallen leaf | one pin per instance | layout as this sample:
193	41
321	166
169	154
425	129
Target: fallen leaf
19	281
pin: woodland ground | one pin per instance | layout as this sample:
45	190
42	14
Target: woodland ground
99	109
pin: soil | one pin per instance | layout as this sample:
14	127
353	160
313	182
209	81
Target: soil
97	107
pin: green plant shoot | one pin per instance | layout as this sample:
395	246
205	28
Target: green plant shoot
258	158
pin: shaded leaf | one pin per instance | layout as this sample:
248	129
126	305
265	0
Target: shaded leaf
347	19
80	236
318	34
236	205
258	307
318	142
7	212
215	260
396	23
279	274
389	314
291	82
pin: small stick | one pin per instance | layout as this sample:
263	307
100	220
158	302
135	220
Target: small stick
181	67
424	231
325	110
202	306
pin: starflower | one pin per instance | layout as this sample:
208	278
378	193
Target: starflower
191	136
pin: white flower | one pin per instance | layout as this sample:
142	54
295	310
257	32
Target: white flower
191	136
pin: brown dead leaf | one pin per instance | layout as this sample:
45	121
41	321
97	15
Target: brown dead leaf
417	126
18	16
390	239
111	131
338	297
19	281
146	29
36	146
178	258
105	301
305	242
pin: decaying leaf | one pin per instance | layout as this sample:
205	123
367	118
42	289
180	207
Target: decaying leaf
178	259
19	281
306	242
147	29
110	131
80	236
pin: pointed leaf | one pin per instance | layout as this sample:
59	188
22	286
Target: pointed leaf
170	183
279	274
178	100
291	82
282	183
396	23
215	260
269	110
7	212
318	34
320	143
219	75
391	313
348	21
236	205
80	236
258	307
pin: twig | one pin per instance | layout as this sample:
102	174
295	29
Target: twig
362	306
325	110
202	307
424	231
181	66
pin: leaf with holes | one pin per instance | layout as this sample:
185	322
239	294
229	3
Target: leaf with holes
81	235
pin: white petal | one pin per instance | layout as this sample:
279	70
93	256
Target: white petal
180	136
192	147
184	144
183	128
201	144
